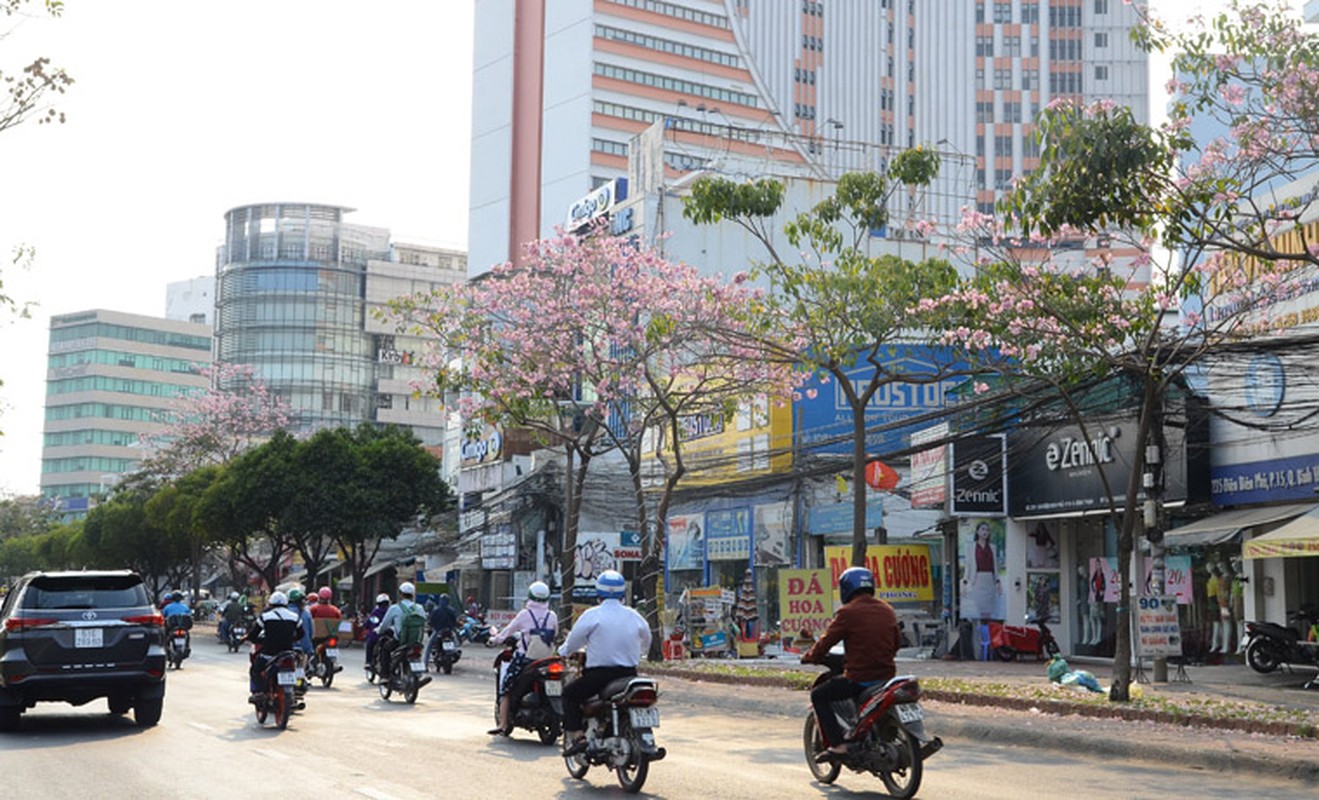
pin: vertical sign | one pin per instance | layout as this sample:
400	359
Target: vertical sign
1157	630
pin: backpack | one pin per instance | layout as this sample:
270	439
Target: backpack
411	625
540	639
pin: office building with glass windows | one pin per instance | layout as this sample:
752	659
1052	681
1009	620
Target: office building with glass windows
110	378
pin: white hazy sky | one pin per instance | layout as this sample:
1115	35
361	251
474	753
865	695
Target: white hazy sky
183	110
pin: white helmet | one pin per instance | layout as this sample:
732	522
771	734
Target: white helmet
610	585
382	598
233	595
278	599
407	589
538	591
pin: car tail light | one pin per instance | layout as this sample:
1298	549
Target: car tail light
554	670
23	623
146	619
907	692
155	673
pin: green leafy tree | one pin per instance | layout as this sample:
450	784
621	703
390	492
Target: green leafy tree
173	509
839	307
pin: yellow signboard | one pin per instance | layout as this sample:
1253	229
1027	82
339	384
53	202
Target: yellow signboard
806	601
902	572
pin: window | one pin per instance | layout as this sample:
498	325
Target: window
1101	6
1030	79
1030	13
1064	50
980	13
1002	146
1012	45
980	178
980	78
984	111
1101	39
1101	72
1003	78
1012	112
985	46
1002	179
980	146
1002	12
1064	17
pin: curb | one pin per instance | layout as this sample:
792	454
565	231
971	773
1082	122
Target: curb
1137	748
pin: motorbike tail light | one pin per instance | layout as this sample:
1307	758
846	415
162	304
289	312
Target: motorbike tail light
416	651
332	642
642	696
907	692
180	632
554	670
287	662
153	618
24	623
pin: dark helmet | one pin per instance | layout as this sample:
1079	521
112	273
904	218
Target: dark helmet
177	597
853	580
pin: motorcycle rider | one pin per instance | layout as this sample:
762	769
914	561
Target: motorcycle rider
178	615
868	628
535	627
325	617
230	615
615	637
372	625
297	602
442	620
399	626
275	631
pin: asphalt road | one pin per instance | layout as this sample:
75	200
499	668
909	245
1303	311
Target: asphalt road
350	743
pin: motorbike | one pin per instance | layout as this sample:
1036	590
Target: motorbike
1270	645
324	661
539	707
886	728
238	632
277	696
447	651
619	736
1010	641
405	672
178	642
474	630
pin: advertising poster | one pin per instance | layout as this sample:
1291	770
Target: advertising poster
728	535
1157	631
806	601
1104	583
686	544
980	553
1176	578
902	572
1042	546
594	555
1043	595
771	536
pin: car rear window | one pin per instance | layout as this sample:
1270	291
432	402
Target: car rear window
53	593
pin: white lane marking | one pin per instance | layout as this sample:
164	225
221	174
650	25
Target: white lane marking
273	754
373	794
201	726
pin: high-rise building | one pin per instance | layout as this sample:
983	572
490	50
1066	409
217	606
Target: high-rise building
192	300
805	89
111	378
297	288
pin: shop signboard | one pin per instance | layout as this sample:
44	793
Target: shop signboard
806	601
902	572
978	476
728	534
929	468
1158	633
830	518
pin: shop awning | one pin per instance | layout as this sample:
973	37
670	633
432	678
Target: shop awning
1300	537
1226	526
437	574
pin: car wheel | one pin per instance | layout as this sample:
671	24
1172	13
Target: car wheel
9	717
146	713
119	705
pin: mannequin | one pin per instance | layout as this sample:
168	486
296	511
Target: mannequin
1083	604
1225	618
1239	604
1211	607
1097	585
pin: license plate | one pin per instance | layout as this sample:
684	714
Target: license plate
331	652
287	678
417	666
909	712
88	637
179	642
449	646
553	688
644	717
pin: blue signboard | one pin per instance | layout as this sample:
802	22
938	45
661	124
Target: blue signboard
728	535
837	517
824	417
1275	480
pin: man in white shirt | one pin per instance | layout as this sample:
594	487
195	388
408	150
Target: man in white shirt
615	638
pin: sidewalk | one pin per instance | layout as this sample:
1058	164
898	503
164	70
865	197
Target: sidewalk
1036	725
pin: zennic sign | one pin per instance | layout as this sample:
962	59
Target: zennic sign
978	476
824	417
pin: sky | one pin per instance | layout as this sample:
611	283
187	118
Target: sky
183	110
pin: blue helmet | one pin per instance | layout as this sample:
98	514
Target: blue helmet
610	584
853	580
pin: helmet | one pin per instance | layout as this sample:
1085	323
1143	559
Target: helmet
325	594
853	580
312	599
177	597
278	599
538	591
295	595
233	595
382	598
610	585
406	589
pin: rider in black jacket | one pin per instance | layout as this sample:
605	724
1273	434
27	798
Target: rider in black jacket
275	631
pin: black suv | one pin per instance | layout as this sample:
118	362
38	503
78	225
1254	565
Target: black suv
78	636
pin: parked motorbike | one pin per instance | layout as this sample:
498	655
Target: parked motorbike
405	672
1270	645
324	661
1010	641
178	642
886	728
619	736
447	651
277	696
538	707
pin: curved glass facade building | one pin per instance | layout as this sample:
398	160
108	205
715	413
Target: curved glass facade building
291	303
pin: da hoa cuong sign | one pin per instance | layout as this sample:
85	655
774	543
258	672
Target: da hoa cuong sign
806	601
902	572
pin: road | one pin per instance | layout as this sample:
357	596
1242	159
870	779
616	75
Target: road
350	743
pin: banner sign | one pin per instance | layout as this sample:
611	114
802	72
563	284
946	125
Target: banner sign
978	476
902	572
929	469
806	601
728	535
1158	633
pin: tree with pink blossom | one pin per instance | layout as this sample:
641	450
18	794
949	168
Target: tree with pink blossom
599	346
